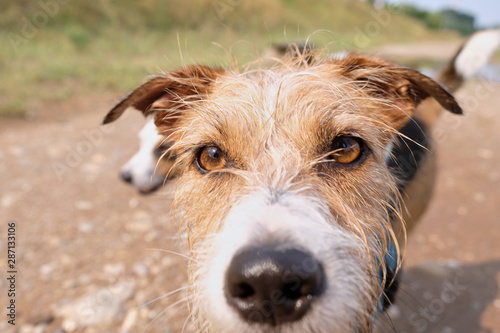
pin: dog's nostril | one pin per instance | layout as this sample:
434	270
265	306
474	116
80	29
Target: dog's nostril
273	286
241	290
291	291
126	176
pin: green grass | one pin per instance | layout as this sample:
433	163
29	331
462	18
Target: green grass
111	46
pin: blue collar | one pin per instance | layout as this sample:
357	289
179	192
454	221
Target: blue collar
391	284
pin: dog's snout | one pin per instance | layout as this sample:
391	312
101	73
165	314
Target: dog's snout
273	286
126	176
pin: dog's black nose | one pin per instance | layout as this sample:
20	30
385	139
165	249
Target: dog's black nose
273	286
126	176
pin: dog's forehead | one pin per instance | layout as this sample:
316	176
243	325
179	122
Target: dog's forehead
275	93
304	106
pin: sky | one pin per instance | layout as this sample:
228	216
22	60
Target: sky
486	12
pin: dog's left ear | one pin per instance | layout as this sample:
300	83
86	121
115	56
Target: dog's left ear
402	87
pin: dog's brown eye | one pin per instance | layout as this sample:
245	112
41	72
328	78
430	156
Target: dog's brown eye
211	158
345	149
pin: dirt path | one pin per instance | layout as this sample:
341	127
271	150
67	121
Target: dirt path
90	254
429	50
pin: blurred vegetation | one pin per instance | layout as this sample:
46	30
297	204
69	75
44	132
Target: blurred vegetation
53	50
445	19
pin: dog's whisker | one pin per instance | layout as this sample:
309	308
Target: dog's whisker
189	322
162	313
165	296
172	252
408	299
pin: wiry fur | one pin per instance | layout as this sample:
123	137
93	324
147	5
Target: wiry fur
275	128
276	154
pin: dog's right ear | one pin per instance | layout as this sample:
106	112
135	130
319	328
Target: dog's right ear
167	93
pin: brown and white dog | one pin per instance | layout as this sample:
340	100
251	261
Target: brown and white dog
297	185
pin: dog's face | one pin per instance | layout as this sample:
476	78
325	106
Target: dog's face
149	168
284	187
